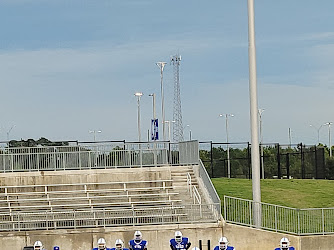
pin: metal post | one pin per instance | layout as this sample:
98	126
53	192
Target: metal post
288	165
227	144
161	66
228	151
254	118
278	157
329	138
154	144
138	95
249	162
261	141
302	160
211	160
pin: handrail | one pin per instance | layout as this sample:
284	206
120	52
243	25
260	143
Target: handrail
197	196
189	184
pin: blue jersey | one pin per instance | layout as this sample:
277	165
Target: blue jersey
115	248
184	244
290	248
228	248
96	248
141	245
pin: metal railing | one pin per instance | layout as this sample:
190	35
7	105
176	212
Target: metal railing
203	174
279	218
96	155
35	220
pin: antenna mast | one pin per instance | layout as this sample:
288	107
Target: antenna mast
177	114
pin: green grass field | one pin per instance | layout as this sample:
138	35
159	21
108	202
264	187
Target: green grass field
292	193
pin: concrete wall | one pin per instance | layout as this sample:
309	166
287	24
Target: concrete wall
319	242
158	236
85	239
246	238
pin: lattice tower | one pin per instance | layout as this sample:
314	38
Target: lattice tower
177	113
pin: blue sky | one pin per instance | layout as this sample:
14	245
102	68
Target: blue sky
70	66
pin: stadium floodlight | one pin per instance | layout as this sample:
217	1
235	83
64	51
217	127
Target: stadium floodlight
94	132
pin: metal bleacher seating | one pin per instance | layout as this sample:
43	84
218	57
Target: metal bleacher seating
88	204
57	197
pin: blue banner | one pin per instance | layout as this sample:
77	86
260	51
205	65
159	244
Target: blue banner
154	129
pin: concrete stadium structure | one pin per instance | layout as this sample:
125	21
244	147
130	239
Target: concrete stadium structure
73	208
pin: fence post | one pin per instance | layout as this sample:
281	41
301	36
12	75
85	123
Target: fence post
279	172
288	165
250	213
316	162
323	221
249	160
302	160
298	222
275	218
225	215
79	153
211	160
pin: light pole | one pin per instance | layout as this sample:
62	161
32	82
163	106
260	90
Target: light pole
9	131
318	131
256	186
154	113
188	126
94	132
329	137
138	95
227	143
169	137
161	66
261	141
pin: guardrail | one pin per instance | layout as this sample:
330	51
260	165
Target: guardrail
279	218
93	156
35	220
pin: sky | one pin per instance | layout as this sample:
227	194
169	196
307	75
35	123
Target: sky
71	66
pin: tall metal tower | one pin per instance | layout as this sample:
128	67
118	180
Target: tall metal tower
177	114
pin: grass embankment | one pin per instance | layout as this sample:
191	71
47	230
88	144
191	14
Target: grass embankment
291	193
